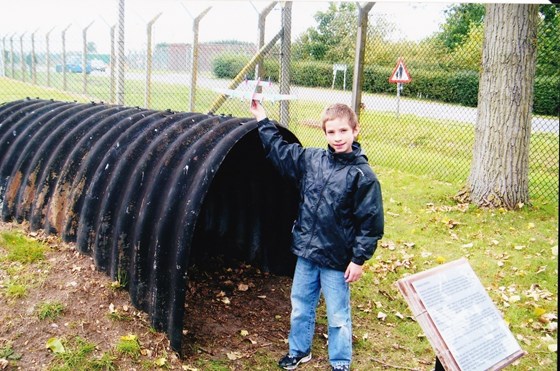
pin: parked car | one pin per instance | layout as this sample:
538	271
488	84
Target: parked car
74	65
98	65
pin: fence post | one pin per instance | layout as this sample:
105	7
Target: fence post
358	78
194	56
285	56
84	59
64	57
112	62
120	57
259	68
241	75
22	57
12	54
48	57
148	87
33	65
3	70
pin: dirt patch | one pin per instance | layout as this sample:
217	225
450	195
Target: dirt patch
234	312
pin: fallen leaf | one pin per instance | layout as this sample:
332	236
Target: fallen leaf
55	345
242	287
160	362
552	347
467	245
226	300
233	355
381	316
514	298
244	332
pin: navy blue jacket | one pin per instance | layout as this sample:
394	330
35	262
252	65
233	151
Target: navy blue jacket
340	215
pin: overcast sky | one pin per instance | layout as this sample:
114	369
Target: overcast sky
226	20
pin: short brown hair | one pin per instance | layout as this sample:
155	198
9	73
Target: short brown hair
339	110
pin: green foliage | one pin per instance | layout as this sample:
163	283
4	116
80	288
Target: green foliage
22	249
334	37
311	73
548	60
16	290
78	355
545	101
460	18
50	310
228	66
129	345
7	352
468	55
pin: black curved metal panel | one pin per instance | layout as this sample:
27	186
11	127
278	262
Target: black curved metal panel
147	193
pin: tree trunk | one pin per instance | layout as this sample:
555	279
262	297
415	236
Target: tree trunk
500	169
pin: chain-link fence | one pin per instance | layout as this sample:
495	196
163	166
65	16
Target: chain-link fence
424	126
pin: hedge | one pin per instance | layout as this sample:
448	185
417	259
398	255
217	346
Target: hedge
459	87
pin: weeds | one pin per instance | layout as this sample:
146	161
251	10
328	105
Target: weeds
49	310
129	345
22	249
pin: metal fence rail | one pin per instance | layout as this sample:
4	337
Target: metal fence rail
409	126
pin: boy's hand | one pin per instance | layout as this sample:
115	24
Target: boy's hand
258	110
353	272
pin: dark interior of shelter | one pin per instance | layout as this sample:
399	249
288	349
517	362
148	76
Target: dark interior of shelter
248	213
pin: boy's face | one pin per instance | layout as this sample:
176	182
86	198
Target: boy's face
340	135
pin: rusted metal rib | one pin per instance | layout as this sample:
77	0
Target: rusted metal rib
147	193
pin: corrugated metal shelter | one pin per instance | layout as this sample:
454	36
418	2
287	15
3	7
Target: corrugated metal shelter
146	193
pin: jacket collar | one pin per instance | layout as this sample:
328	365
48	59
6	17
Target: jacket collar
356	156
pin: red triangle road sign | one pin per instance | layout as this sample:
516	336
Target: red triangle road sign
400	73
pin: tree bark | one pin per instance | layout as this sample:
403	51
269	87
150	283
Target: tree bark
499	174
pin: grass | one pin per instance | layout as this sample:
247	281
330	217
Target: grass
128	345
22	249
50	310
514	253
79	355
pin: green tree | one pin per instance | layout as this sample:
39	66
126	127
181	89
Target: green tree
548	57
459	20
333	38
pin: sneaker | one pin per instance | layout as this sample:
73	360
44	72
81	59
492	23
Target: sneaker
290	363
341	368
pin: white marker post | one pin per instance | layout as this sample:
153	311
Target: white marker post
399	76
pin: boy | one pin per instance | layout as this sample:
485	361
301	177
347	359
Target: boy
339	222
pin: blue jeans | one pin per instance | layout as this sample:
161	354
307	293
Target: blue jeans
309	280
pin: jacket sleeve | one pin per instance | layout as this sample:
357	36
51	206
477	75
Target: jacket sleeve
368	218
287	158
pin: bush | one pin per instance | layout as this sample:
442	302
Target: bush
460	87
228	66
547	96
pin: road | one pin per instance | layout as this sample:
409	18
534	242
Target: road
375	102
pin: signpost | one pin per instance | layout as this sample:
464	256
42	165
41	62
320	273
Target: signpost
400	76
336	68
